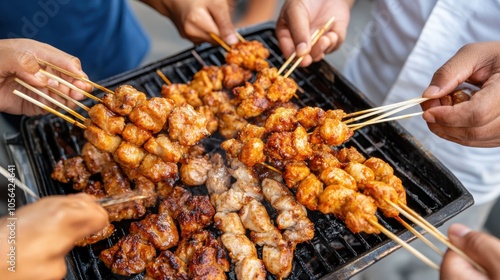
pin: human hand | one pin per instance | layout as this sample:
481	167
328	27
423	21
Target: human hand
475	122
18	59
46	231
300	18
481	247
196	19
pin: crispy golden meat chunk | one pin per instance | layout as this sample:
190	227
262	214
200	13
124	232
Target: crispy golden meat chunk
219	179
395	182
158	230
124	99
208	79
252	152
282	119
214	100
187	126
181	94
156	169
381	193
175	202
197	214
93	158
166	266
234	75
253	100
144	186
282	89
337	176
310	117
98	236
72	170
102	140
346	155
360	210
333	200
250	55
230	123
152	114
323	157
194	171
308	192
232	147
295	171
331	132
129	155
166	149
212	120
128	256
204	265
108	121
380	168
360	172
289	145
250	131
135	135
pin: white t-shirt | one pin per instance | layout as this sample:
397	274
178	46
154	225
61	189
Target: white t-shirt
403	45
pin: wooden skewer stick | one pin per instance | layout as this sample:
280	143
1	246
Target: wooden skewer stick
419	235
405	245
240	37
64	71
219	40
50	99
386	107
294	54
65	96
392	109
163	77
68	84
108	201
320	33
434	232
19	184
271	167
421	219
360	125
47	108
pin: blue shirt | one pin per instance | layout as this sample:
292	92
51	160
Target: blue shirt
104	34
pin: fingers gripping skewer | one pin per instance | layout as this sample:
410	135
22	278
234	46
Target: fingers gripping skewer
294	54
220	41
67	97
64	71
68	84
240	37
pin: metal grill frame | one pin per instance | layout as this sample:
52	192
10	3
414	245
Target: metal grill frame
334	253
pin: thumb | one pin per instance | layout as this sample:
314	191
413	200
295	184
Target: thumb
24	65
222	18
481	247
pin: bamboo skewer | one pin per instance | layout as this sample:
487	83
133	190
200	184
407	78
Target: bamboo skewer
407	246
360	125
294	54
220	41
434	232
50	99
316	38
387	107
47	108
240	37
68	84
163	77
419	235
18	183
64	71
76	102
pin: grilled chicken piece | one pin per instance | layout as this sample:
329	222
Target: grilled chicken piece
229	201
135	135
208	79
181	94
164	148
282	89
310	117
252	100
381	192
337	176
346	155
101	140
247	181
166	266
332	132
396	183
234	75
98	236
212	120
72	170
159	230
219	179
229	223
278	259
252	152
250	55
129	155
333	200
230	123
323	157
380	168
289	145
254	217
186	125
204	265
308	192
93	158
144	186
194	171
282	119
197	214
188	248
174	202
215	99
251	131
124	99
108	121
360	209
295	171
360	172
152	114
128	256
157	170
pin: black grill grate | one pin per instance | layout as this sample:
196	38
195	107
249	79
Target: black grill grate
334	253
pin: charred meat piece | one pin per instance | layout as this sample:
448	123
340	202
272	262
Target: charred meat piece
108	121
156	170
135	135
152	114
72	170
166	266
166	149
94	159
186	125
234	75
98	236
159	230
124	99
250	55
194	171
102	140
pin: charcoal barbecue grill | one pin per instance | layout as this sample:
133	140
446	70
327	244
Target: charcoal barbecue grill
335	252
